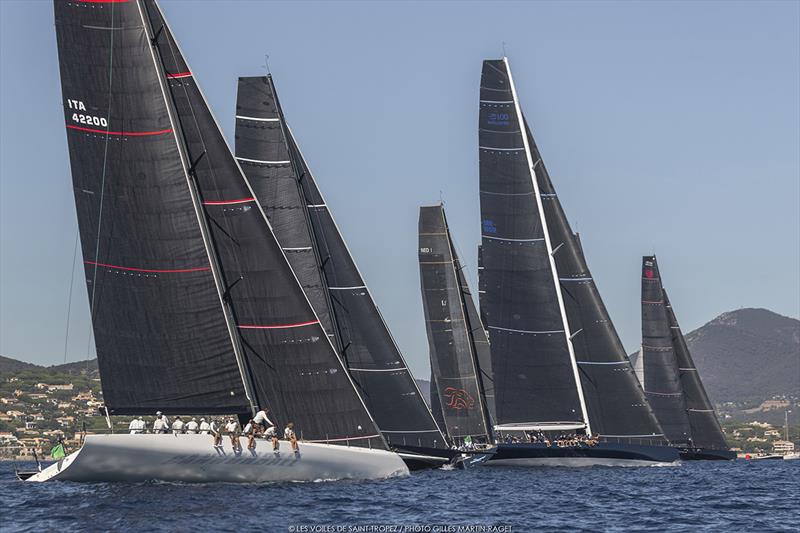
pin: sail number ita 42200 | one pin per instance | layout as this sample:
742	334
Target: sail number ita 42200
82	118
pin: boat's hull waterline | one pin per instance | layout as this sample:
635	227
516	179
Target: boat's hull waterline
603	454
706	454
194	459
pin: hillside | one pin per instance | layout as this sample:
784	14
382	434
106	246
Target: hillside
10	366
748	355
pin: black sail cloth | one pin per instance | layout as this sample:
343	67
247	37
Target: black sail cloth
533	376
662	383
259	309
288	191
456	376
615	404
161	339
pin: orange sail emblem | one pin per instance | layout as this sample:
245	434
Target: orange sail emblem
458	399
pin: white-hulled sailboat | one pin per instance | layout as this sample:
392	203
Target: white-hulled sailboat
195	308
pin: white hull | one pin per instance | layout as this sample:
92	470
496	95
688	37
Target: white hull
194	459
571	462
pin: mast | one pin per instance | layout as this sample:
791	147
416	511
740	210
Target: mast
211	250
550	251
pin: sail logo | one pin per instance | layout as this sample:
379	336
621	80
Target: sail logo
458	399
498	119
488	226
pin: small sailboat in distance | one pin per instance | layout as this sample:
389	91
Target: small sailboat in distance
560	371
195	308
670	379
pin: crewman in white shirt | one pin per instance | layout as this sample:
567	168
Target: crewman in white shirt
191	426
289	435
205	427
134	426
232	429
160	425
177	426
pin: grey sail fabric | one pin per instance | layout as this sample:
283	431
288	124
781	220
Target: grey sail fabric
662	384
453	357
533	375
615	401
356	326
705	429
160	334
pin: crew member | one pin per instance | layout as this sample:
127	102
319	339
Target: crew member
289	435
177	426
191	426
161	425
205	427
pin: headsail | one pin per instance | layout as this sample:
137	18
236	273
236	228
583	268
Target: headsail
703	421
608	379
326	268
662	383
452	334
272	338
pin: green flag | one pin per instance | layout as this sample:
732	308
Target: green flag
57	452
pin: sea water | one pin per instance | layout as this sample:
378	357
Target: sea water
758	496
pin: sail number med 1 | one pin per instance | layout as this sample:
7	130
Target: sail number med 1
81	118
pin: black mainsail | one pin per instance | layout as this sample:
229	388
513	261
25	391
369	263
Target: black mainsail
661	383
305	228
454	334
557	360
195	309
704	429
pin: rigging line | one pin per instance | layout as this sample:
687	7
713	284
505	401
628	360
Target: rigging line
102	183
69	299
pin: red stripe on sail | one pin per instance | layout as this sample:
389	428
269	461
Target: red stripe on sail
229	202
278	326
104	1
179	75
122	133
153	270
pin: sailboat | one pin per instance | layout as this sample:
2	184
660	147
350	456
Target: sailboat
305	228
195	308
671	380
559	367
462	391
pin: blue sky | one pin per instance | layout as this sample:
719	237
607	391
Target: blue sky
667	127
